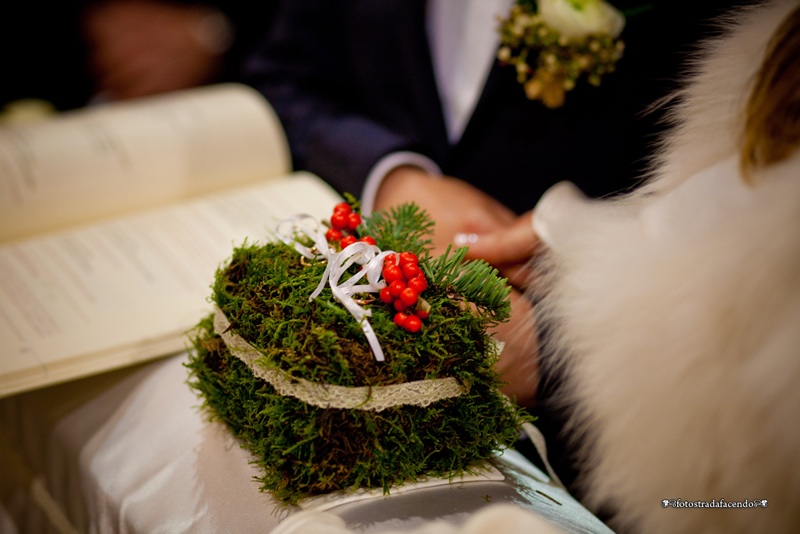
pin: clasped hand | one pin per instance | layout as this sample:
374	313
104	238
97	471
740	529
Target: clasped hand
464	215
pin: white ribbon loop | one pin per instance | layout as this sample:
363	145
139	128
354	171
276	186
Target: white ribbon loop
289	238
370	257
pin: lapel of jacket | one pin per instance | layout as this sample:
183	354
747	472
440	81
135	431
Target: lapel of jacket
484	103
418	65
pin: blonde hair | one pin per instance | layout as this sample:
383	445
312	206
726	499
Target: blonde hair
772	113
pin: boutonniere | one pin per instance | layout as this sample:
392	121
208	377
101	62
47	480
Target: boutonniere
553	44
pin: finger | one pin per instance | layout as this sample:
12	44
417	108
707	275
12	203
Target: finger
511	245
518	275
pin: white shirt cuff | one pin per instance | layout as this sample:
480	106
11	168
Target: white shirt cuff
387	164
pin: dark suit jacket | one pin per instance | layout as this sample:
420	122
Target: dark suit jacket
352	81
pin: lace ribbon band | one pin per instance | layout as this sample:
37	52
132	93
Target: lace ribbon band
418	393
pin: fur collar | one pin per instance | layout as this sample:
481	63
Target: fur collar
676	314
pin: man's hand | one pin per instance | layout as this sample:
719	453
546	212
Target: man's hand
509	249
519	361
459	209
456	206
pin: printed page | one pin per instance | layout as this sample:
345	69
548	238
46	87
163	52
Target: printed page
117	158
102	296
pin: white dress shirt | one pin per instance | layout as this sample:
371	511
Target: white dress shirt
463	39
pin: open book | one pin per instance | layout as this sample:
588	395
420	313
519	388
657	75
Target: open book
113	220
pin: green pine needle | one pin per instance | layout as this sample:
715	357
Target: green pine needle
403	229
475	281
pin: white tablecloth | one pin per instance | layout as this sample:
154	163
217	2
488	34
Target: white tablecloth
129	451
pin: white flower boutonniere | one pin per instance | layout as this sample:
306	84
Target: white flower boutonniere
553	43
577	20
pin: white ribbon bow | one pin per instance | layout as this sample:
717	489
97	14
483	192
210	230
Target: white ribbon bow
361	253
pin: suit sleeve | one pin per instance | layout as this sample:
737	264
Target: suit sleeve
303	70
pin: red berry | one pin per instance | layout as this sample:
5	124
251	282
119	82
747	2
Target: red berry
353	220
397	287
412	323
391	259
333	235
347	241
339	220
343	207
408	257
369	239
400	318
423	308
392	273
418	283
399	305
411	270
386	296
408	296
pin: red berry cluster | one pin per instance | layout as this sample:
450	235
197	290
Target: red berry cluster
344	222
405	282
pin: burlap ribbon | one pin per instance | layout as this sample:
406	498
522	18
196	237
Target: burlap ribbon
377	398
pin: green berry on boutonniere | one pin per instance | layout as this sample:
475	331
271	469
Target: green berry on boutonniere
554	43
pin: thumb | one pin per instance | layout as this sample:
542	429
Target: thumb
511	244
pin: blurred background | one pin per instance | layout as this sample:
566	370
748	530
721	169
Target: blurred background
67	54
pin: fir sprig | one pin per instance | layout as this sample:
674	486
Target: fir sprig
401	228
475	281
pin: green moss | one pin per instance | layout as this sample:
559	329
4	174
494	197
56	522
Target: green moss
303	450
